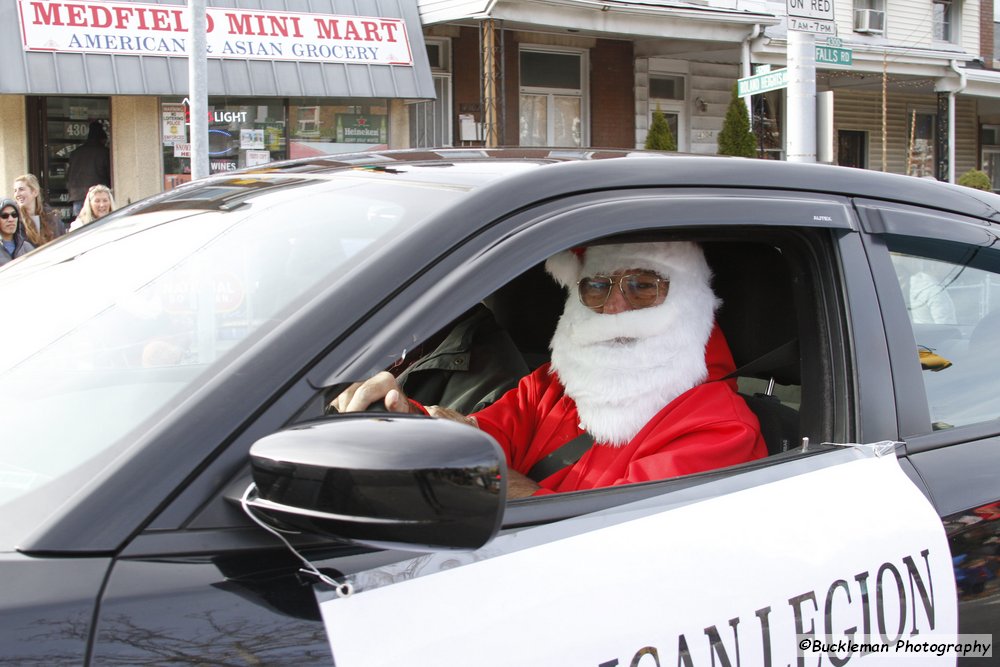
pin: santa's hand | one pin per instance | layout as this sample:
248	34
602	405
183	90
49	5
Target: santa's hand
381	387
439	412
519	486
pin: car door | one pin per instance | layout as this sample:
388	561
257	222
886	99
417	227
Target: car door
938	276
203	581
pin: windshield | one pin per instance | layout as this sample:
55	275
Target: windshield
108	325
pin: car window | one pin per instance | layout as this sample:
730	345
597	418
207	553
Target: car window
952	299
142	309
778	308
759	315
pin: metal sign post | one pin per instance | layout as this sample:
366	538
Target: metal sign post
198	89
805	19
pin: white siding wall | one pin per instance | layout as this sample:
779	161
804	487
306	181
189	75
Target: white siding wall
863	111
714	84
970	26
909	23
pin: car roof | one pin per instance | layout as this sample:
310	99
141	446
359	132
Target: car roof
570	170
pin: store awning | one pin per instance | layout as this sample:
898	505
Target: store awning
257	48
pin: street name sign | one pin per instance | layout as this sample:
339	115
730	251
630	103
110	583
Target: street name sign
761	83
831	55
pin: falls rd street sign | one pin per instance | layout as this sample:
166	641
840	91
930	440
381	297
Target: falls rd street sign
761	83
830	55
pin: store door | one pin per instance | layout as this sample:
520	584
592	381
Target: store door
56	126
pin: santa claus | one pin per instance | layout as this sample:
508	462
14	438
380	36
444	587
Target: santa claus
637	387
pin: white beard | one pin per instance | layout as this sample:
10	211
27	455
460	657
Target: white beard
622	369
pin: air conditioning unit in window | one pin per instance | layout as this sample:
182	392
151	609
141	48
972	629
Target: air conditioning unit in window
871	21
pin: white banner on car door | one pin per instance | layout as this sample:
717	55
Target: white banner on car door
852	550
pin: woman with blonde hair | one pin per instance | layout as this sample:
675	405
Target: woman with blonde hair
41	222
97	204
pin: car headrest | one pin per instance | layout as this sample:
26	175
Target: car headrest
529	307
757	315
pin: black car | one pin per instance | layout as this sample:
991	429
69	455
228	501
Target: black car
174	487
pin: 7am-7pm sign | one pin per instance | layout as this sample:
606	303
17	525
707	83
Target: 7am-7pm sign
761	83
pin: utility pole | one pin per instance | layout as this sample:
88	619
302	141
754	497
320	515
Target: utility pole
198	88
801	97
804	19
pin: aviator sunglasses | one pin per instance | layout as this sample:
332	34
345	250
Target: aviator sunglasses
641	289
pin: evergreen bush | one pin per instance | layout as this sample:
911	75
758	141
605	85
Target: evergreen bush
735	138
974	178
659	137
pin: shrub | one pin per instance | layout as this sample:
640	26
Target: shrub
974	178
659	137
735	138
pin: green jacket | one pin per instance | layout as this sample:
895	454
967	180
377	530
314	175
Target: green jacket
473	366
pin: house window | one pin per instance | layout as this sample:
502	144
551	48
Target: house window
989	139
551	104
431	121
666	87
944	22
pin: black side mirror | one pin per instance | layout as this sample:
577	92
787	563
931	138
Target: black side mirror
394	481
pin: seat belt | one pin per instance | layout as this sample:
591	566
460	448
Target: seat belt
783	355
566	455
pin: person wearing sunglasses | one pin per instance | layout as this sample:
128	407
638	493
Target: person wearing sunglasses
637	386
13	243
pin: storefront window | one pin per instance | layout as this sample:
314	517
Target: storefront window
241	133
328	126
67	123
250	132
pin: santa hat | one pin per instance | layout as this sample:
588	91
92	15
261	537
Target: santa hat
681	261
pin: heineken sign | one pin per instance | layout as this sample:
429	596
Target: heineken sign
361	129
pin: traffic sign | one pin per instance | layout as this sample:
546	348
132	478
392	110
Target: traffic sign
816	26
820	10
761	83
830	55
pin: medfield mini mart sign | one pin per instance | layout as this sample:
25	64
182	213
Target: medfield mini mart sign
127	28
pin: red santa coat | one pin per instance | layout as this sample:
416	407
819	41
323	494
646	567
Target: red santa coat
707	427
